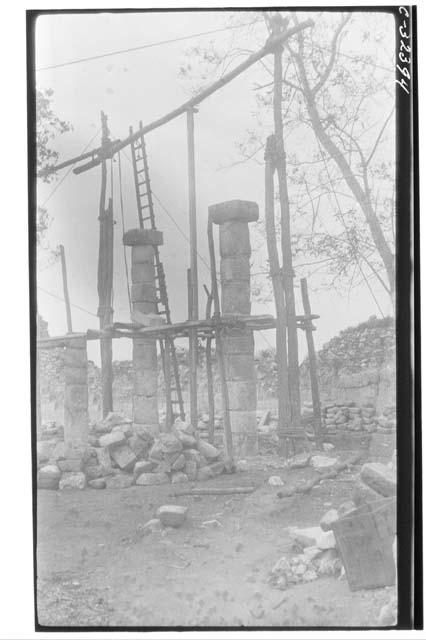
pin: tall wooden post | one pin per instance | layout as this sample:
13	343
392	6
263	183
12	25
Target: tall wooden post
284	417
193	272
105	275
287	268
316	403
65	284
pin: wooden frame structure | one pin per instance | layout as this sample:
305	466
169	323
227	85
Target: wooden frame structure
213	325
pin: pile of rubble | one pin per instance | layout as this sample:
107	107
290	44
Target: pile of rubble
119	455
314	553
348	416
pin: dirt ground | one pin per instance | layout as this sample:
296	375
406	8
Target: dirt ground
95	568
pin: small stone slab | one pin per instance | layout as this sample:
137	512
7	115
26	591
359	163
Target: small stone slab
380	478
208	450
72	481
170	443
242	210
323	463
70	464
179	476
138	237
143	466
328	518
124	457
172	515
152	479
97	483
179	463
48	477
188	442
191	469
139	447
110	440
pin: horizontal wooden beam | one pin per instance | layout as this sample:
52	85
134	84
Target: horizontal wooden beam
97	155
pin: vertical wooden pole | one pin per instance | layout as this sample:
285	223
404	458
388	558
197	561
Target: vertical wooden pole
105	275
168	384
192	212
288	275
316	403
192	357
65	285
229	447
193	272
209	369
284	417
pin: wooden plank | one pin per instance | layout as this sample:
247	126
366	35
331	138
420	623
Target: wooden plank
214	491
268	48
284	417
65	286
313	372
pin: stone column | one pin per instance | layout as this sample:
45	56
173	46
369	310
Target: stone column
76	413
234	239
143	294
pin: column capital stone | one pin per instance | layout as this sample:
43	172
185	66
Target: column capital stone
234	210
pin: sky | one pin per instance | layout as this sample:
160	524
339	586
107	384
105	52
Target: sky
144	85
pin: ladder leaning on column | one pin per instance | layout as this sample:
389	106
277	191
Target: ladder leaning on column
146	217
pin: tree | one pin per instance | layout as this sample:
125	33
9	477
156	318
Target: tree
48	126
337	108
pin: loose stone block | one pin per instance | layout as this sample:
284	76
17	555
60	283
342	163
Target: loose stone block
179	476
124	457
144	466
70	464
170	443
112	439
139	446
97	483
48	477
379	478
328	518
208	450
152	479
94	471
191	469
104	459
71	481
179	463
172	515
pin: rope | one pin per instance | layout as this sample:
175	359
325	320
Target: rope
53	295
123	229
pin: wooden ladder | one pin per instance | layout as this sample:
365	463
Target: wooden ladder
145	207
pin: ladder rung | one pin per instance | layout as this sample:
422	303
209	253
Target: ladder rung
145	206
